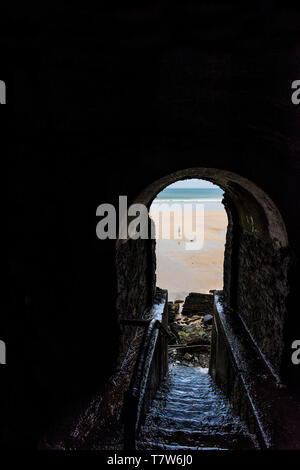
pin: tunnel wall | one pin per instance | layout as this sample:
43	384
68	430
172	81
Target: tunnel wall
256	270
261	295
98	106
258	397
135	268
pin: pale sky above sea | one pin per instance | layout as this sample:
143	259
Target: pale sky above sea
192	183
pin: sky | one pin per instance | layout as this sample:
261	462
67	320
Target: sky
192	183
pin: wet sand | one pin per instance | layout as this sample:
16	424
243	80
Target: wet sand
182	271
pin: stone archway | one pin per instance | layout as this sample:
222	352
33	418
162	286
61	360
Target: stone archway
255	264
242	192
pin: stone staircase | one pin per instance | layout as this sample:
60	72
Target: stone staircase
190	412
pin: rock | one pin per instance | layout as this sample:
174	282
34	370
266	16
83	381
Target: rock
199	304
207	320
176	327
173	309
193	335
188	356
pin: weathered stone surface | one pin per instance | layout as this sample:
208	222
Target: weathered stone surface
199	304
193	335
136	284
266	405
261	294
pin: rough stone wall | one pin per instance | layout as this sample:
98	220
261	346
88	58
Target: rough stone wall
256	288
226	375
255	275
228	252
261	293
135	263
270	410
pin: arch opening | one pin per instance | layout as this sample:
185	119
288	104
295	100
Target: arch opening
190	224
256	261
190	227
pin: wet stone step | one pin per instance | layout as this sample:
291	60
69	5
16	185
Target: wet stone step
182	400
191	406
190	411
157	446
196	441
206	418
192	425
187	408
196	408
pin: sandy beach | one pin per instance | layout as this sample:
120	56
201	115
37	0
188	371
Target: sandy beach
181	270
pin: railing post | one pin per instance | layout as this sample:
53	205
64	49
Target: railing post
130	418
153	352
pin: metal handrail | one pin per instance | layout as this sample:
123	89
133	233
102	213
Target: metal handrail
141	322
134	397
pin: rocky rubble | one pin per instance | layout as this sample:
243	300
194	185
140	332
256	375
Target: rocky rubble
190	323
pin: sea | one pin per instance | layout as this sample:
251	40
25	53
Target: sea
210	197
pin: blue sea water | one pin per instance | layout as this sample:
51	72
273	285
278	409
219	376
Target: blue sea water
194	194
210	197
